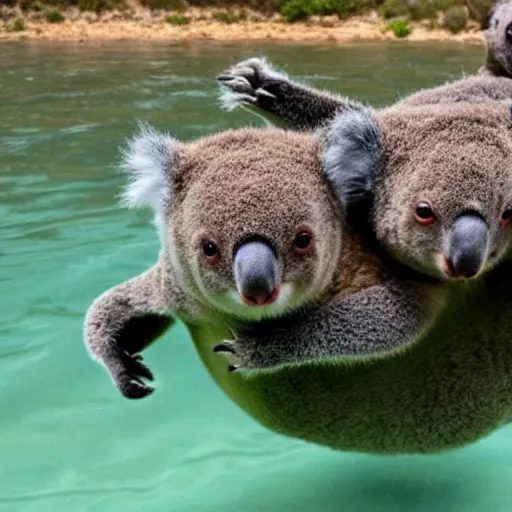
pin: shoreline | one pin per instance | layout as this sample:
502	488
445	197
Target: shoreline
147	26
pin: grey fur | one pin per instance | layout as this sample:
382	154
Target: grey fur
276	187
450	387
426	148
499	48
389	316
352	155
256	84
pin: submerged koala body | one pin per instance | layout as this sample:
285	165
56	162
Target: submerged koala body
250	229
449	388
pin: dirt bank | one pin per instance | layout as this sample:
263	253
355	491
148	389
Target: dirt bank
150	26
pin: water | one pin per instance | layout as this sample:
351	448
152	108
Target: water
68	440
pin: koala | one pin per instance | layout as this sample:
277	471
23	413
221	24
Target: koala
251	228
353	380
432	187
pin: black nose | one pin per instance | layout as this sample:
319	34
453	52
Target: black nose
466	249
255	268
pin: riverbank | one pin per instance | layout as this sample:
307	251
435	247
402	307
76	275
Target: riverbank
142	24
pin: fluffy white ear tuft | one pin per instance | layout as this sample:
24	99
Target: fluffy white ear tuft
148	158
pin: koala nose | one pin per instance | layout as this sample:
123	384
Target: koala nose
255	269
466	250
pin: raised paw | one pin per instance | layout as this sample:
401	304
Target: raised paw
128	372
248	83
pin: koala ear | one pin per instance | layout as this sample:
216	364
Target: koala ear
148	158
351	158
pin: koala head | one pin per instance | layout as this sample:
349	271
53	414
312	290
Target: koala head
498	36
438	181
246	218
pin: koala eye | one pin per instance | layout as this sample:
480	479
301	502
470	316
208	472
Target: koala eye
211	251
508	33
506	216
303	243
424	214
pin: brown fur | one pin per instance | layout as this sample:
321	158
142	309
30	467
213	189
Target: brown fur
460	159
225	188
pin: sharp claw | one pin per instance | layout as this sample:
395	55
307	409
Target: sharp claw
224	78
233	367
135	391
137	357
143	371
263	92
224	347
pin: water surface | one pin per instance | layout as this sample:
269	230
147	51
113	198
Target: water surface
68	440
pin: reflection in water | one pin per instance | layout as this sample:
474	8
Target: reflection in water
68	440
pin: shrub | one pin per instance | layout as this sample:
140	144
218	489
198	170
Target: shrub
394	8
400	28
31	5
99	6
346	8
177	19
423	9
224	17
18	25
54	16
168	5
455	19
480	9
297	10
444	5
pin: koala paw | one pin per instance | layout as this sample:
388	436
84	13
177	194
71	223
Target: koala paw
247	83
127	371
238	356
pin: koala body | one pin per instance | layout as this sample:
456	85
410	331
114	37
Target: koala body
454	384
355	360
250	229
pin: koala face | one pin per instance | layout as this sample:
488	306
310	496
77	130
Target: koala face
441	181
451	219
499	37
253	224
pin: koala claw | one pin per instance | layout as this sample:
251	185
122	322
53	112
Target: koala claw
245	83
225	346
128	372
236	83
134	389
230	348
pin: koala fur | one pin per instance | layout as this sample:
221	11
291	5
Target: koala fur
457	159
498	38
449	388
453	386
252	190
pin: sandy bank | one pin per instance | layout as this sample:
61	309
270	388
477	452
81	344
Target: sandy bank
149	26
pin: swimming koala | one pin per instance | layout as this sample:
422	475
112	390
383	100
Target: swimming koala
431	186
250	228
450	387
249	231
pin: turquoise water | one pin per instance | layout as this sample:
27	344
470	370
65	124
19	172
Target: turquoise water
68	440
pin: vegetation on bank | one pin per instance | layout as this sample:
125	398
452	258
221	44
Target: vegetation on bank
452	15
